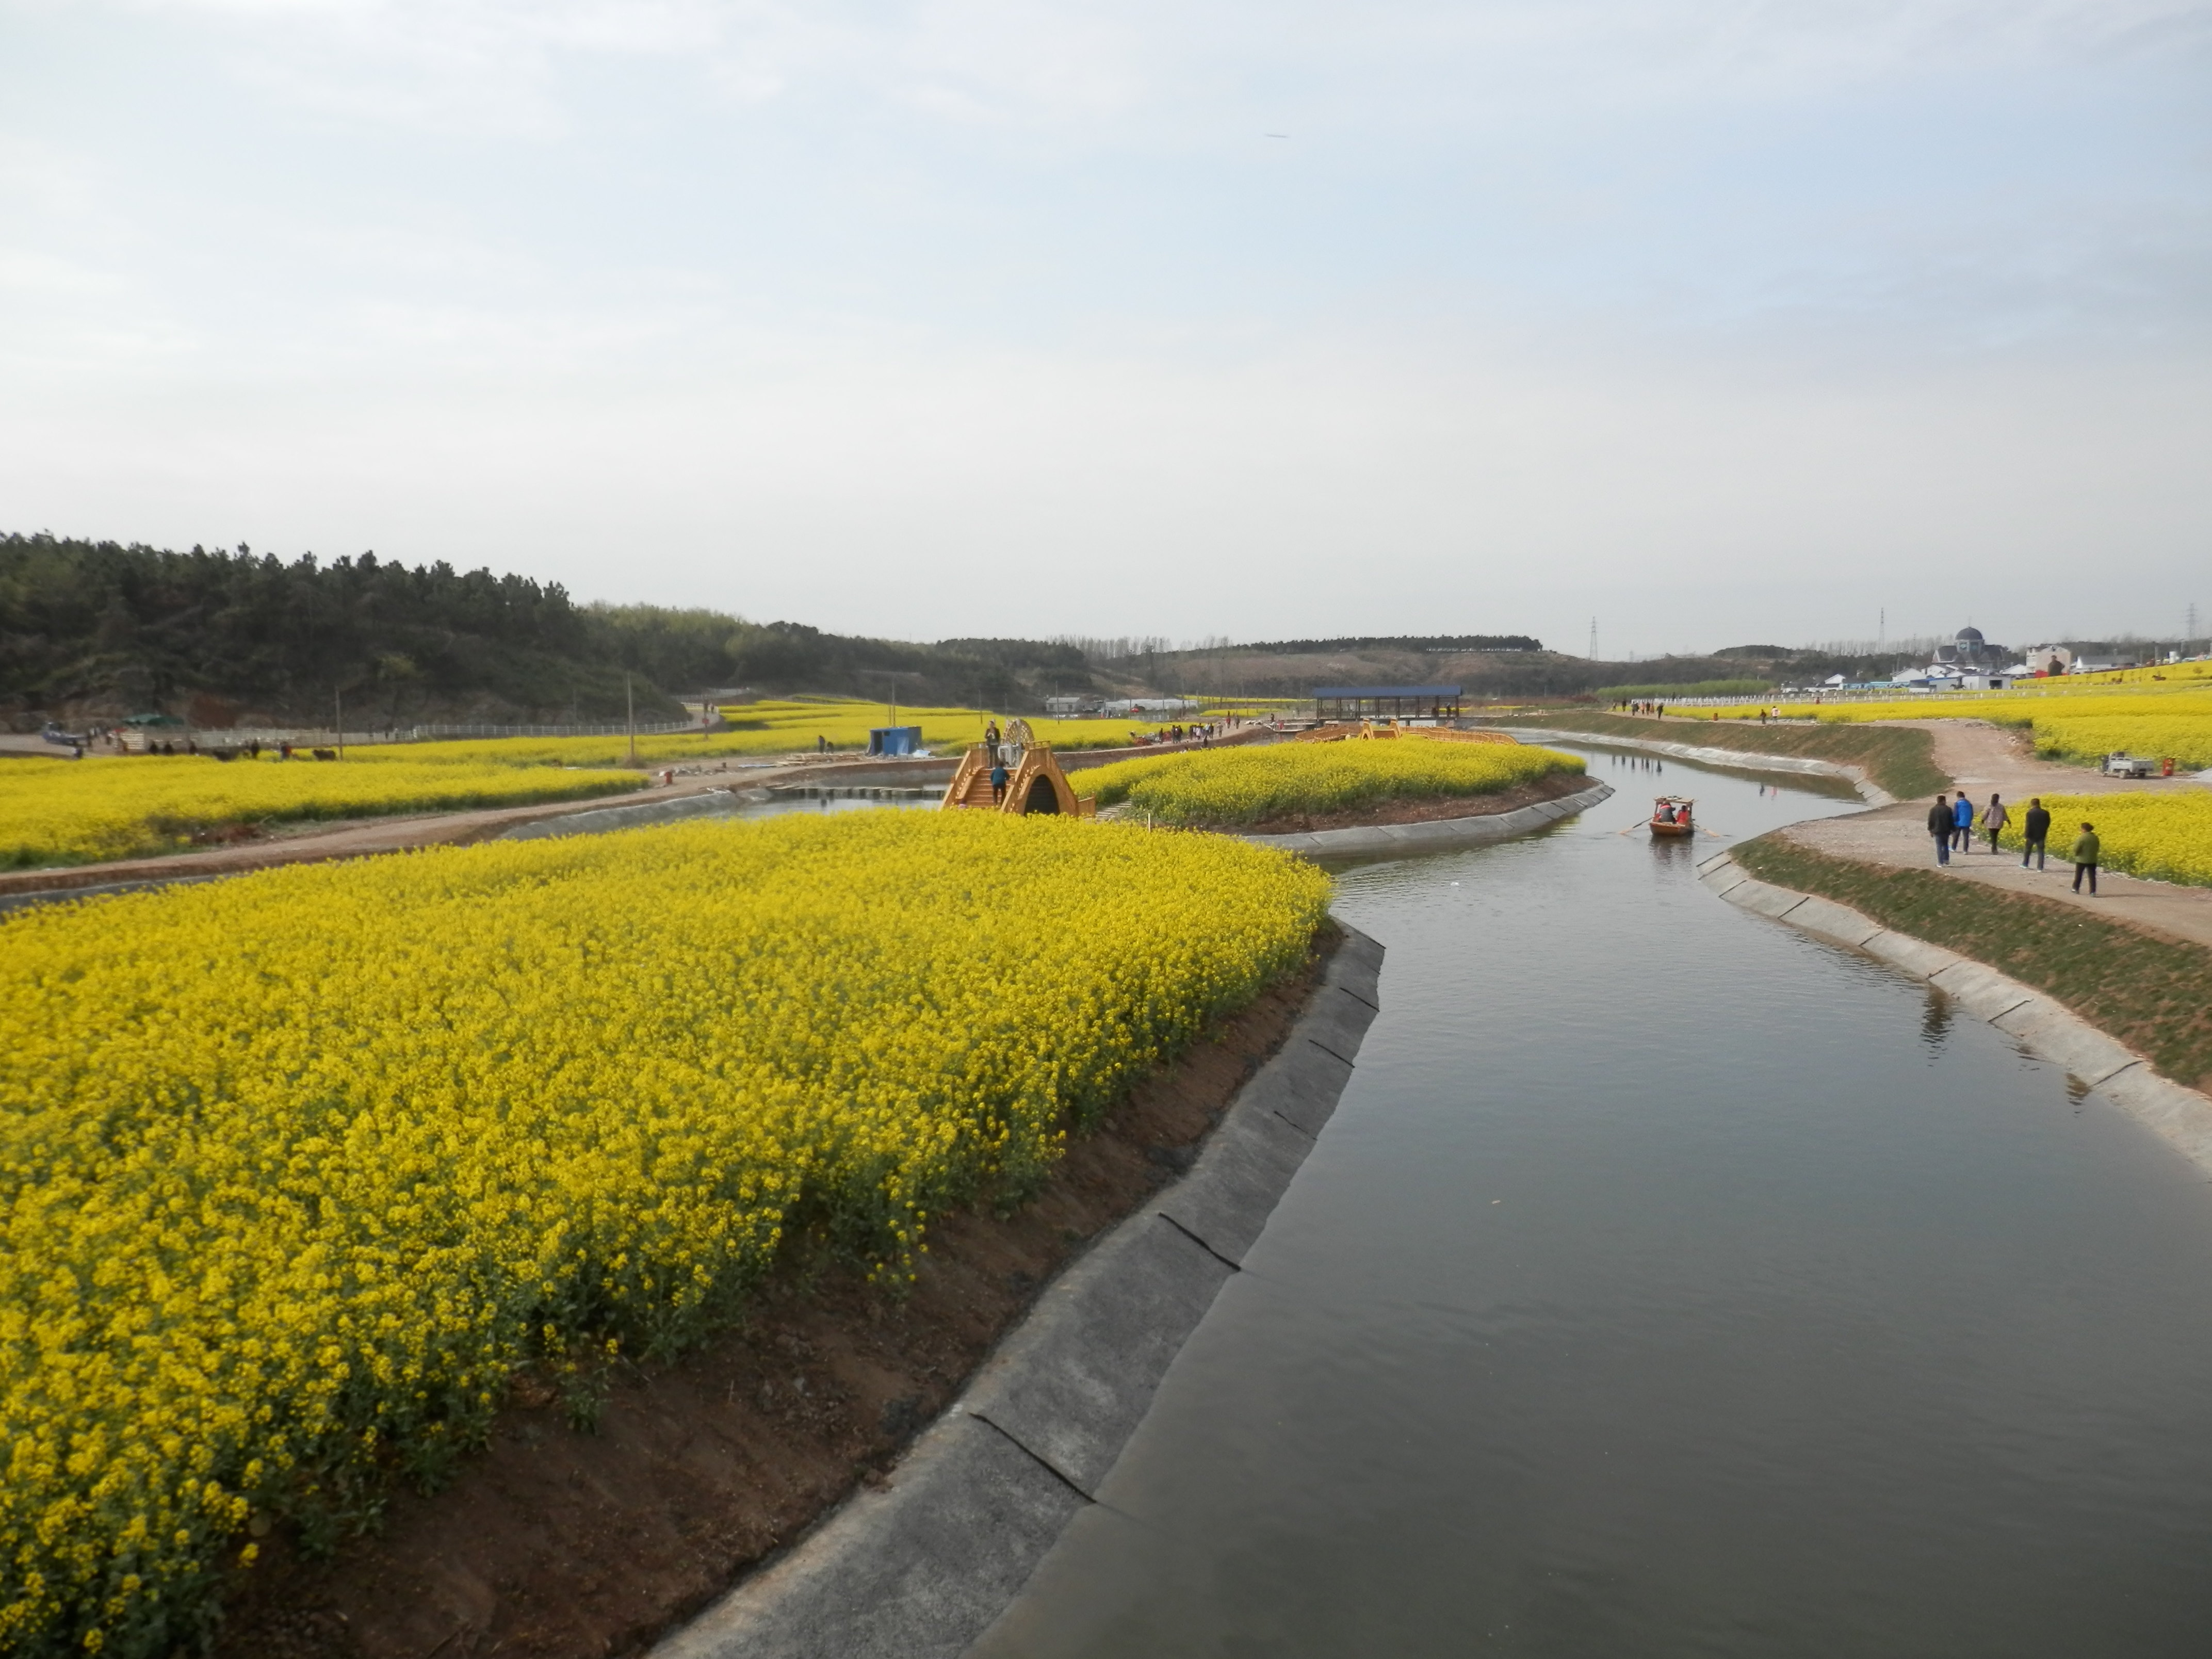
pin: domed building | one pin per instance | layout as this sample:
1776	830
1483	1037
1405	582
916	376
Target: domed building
1968	650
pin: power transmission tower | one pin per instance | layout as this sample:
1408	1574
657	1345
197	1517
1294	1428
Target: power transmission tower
1593	650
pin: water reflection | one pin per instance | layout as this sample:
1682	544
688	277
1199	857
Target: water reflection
1671	1284
1936	1021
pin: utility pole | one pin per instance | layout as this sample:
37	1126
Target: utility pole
629	702
337	703
894	676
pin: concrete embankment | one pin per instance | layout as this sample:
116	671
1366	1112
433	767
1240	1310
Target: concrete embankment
918	1569
1707	755
1436	835
2180	1115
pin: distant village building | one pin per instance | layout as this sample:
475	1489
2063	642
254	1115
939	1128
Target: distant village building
1969	653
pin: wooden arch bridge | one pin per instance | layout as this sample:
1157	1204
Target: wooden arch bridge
1034	781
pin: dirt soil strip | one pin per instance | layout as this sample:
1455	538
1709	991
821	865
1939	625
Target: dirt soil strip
553	1543
1742	760
2180	1115
1551	787
1399	839
1896	758
918	1569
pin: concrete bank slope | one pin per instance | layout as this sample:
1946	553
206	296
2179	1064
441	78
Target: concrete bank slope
1748	759
2180	1115
918	1569
1399	840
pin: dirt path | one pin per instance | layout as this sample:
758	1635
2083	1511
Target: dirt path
356	840
1981	757
361	838
1985	759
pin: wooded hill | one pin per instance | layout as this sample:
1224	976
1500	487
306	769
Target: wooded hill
97	630
100	629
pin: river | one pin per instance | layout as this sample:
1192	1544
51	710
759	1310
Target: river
1670	1282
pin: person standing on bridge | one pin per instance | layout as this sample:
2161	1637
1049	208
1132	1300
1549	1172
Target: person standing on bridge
1941	825
2035	831
2087	848
997	778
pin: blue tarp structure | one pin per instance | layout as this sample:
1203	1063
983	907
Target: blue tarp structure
894	739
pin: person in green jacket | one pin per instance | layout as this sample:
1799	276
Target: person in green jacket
2086	848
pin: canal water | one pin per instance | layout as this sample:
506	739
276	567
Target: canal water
1671	1284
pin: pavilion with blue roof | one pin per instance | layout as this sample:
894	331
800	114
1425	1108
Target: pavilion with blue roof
1387	702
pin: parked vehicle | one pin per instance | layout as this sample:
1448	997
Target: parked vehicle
2119	765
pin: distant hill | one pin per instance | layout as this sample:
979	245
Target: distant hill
102	629
93	630
1503	666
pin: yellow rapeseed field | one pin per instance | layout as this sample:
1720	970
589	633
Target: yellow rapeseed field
119	806
2070	722
2166	837
110	807
767	728
1227	787
296	1170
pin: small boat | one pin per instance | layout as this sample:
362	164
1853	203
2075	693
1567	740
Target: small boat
1670	816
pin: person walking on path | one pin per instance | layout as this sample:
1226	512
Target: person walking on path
2086	849
2035	829
998	781
1941	825
1994	819
1962	823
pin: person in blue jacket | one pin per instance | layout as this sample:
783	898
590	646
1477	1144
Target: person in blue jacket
1962	816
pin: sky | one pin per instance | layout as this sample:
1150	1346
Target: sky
1707	321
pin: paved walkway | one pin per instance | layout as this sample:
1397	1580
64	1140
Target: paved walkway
1983	758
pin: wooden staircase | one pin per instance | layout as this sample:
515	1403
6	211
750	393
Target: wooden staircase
1035	783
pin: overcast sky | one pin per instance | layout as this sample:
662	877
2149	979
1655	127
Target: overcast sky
1719	320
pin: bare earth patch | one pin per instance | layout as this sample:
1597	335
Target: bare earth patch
1553	788
553	1543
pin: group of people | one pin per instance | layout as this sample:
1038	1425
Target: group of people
1204	735
1952	824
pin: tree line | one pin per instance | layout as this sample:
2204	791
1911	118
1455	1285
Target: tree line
109	628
